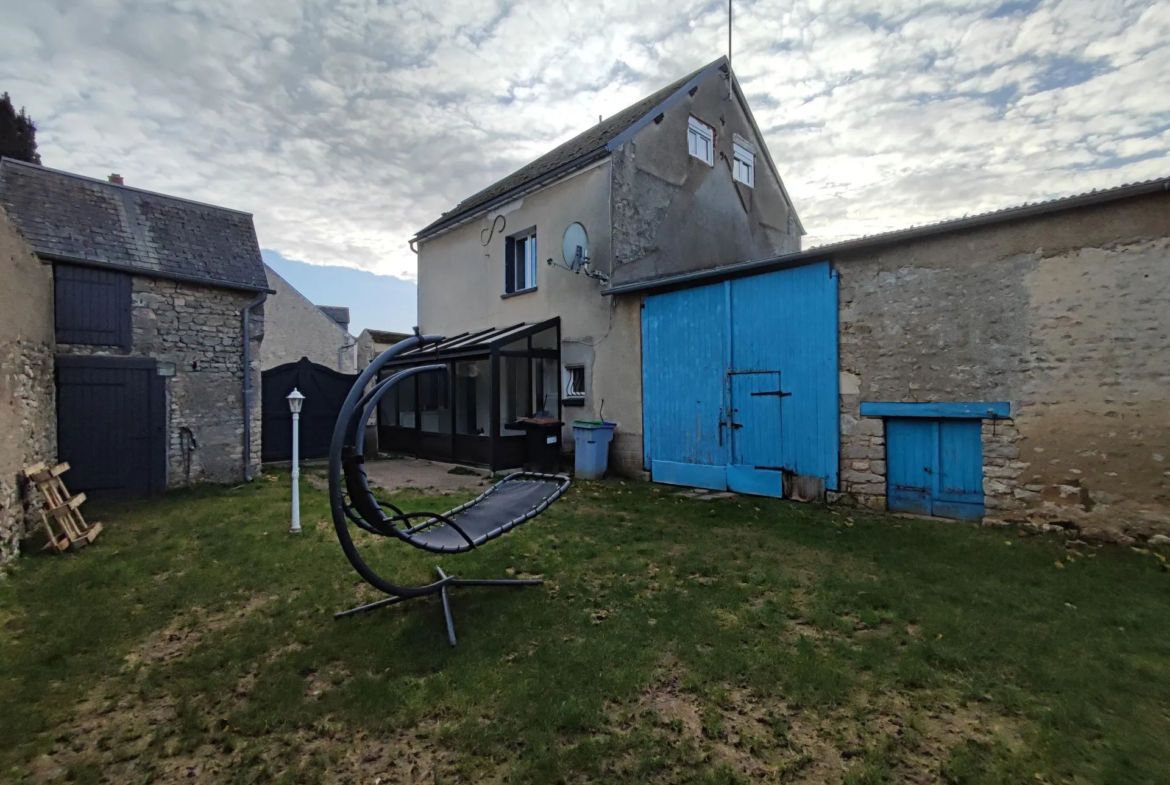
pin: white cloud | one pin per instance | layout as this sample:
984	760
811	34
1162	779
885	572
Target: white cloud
347	126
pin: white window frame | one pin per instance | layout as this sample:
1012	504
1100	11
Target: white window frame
525	262
744	168
701	140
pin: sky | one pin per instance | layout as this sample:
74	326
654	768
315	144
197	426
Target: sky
379	302
346	126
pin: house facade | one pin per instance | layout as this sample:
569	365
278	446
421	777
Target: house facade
679	182
157	317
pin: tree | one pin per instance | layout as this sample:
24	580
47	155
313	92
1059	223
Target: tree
18	133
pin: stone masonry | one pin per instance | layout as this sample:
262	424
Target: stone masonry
1063	316
28	417
197	330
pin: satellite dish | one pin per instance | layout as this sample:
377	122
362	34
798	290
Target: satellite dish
575	247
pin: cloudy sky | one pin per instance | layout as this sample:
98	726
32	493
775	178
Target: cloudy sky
346	125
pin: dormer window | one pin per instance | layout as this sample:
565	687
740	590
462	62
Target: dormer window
744	169
701	141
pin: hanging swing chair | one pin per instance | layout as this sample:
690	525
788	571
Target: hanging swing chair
513	501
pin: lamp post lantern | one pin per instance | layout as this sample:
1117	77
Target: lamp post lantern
295	401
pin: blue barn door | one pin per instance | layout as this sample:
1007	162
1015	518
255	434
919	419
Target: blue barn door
935	467
712	349
756	434
684	343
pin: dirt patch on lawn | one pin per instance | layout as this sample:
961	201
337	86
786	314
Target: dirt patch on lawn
185	631
427	476
769	739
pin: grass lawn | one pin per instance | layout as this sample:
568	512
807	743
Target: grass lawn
735	640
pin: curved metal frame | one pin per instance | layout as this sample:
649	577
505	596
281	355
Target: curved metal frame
368	513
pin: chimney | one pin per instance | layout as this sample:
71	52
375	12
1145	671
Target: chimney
116	179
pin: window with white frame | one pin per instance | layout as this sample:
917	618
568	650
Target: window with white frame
701	141
574	384
520	263
744	169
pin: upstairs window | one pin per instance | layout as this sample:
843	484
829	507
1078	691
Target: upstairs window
520	263
744	169
701	141
91	306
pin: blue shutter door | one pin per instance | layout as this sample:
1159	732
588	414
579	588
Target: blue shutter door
911	456
959	492
683	343
935	467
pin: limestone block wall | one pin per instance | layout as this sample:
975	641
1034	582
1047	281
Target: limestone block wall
197	330
28	417
1064	316
296	328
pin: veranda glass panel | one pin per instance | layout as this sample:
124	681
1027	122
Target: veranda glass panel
473	397
434	406
514	394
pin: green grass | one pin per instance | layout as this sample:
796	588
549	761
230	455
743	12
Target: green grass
676	641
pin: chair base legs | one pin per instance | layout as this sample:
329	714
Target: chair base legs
445	581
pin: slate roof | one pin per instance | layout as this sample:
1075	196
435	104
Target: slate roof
593	142
67	217
338	313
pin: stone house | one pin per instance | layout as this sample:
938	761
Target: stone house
28	421
294	328
679	182
157	315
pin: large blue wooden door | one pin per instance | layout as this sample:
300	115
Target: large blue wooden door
756	450
935	467
704	350
684	343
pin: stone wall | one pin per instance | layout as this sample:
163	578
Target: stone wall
196	331
28	418
1064	316
296	328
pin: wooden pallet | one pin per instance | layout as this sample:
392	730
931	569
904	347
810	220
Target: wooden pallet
61	508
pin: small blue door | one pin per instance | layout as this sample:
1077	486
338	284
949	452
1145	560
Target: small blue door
935	467
757	452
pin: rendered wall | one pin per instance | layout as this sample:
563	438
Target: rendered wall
674	213
28	417
1065	316
461	285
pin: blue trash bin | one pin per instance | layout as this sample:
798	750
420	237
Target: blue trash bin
591	440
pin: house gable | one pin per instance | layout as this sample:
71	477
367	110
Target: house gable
673	212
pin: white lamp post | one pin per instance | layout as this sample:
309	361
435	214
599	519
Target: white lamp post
295	401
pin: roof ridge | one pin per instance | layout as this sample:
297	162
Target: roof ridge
87	178
590	144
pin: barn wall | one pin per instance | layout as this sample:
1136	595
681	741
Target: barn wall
197	330
1065	317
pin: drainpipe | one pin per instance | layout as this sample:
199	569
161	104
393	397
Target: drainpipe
247	317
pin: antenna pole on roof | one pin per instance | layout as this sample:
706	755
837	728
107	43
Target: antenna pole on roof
729	49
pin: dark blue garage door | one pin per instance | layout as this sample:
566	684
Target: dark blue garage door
111	425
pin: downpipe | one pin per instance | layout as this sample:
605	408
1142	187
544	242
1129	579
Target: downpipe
246	315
